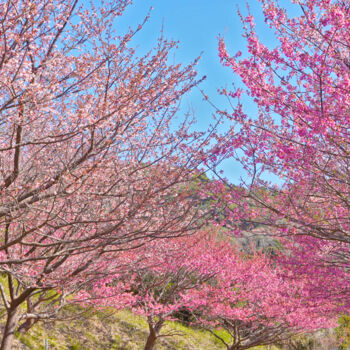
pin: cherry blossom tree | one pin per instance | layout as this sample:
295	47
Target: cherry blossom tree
154	281
255	303
300	132
92	160
218	286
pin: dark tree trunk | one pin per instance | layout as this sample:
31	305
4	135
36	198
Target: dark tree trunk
10	328
153	334
236	346
151	340
13	311
27	325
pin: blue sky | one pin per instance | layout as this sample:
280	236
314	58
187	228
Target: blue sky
196	24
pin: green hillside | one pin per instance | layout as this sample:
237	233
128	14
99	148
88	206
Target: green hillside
105	329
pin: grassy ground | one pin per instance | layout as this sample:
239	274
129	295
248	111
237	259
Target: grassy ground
97	330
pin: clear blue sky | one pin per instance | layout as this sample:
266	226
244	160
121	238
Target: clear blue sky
196	24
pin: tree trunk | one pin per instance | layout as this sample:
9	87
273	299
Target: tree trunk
10	328
153	334
151	340
27	325
235	347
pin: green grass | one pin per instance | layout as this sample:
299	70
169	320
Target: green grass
105	329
